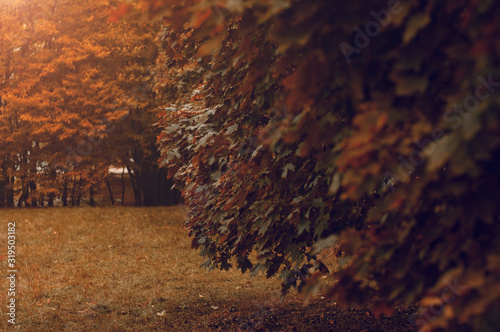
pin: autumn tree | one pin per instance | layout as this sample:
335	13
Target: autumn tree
70	78
292	124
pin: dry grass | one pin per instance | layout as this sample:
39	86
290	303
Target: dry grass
117	269
132	269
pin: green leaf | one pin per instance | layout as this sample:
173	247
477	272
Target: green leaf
206	263
303	225
286	169
245	265
334	187
410	85
231	129
444	149
318	203
324	244
417	22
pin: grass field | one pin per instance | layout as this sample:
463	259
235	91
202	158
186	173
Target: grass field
132	269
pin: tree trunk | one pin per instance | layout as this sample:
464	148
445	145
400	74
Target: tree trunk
3	191
73	193
123	185
79	193
139	183
110	192
10	193
32	186
24	195
92	201
50	201
65	193
134	187
4	186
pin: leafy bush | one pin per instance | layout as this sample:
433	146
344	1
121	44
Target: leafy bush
288	122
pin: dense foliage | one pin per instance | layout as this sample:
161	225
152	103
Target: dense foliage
74	100
290	122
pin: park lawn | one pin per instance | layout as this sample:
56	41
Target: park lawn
132	269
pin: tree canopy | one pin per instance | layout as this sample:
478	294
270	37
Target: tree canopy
294	124
72	79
